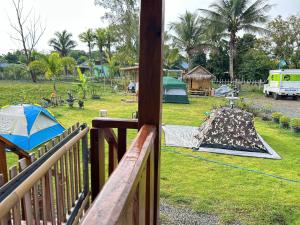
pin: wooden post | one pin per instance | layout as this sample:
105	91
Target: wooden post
122	135
97	161
150	80
3	163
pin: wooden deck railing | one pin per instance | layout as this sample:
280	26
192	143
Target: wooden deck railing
103	130
127	197
52	189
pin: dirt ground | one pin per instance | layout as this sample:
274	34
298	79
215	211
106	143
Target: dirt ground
287	106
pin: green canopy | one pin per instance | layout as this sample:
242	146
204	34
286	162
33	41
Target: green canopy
174	91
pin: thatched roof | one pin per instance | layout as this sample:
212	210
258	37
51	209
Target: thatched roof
130	69
199	73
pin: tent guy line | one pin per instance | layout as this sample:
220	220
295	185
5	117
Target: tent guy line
231	166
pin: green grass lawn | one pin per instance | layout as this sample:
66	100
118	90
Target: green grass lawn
231	193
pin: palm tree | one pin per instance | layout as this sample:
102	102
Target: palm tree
101	41
188	34
51	65
62	43
88	37
232	16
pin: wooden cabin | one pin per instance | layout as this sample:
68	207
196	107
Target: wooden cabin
71	183
199	81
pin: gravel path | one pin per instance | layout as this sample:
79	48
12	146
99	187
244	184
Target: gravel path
287	106
173	215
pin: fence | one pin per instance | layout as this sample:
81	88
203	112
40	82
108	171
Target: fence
53	188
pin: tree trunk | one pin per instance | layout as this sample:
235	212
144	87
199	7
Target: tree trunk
66	70
33	76
232	54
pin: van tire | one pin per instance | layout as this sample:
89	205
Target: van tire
276	96
267	94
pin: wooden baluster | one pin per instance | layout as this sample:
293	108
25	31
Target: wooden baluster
3	163
122	135
79	164
71	166
35	196
16	211
150	189
49	191
67	177
45	206
62	185
27	197
57	190
76	174
113	158
6	219
97	157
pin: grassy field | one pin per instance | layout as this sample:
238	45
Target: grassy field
231	193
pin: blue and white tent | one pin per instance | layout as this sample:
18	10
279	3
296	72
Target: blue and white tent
28	126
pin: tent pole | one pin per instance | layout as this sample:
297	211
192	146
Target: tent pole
3	163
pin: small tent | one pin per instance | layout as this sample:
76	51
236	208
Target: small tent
174	91
27	126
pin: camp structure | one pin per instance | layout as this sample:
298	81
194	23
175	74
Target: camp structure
27	126
174	91
232	131
24	127
199	81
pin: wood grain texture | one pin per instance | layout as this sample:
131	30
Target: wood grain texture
115	123
97	161
117	194
3	163
150	77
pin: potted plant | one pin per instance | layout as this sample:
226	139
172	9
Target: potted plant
284	122
295	125
265	117
276	116
81	104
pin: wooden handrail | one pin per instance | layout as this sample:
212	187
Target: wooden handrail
112	203
102	122
18	193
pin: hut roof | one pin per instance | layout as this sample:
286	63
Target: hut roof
130	69
199	73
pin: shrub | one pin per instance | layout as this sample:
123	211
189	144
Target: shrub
276	116
295	124
284	121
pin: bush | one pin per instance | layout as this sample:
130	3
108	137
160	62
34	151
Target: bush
284	121
295	124
276	116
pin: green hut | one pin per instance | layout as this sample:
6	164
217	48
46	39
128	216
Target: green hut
174	91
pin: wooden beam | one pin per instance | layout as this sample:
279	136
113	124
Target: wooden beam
97	161
3	163
150	85
115	123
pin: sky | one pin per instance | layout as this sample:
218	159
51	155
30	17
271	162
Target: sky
77	16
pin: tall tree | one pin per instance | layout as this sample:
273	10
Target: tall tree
88	37
101	42
123	17
188	33
28	30
283	40
232	16
51	65
62	43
